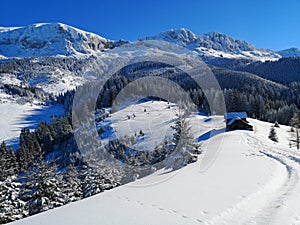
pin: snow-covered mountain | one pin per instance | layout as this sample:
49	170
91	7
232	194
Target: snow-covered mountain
290	52
52	39
49	39
42	43
215	44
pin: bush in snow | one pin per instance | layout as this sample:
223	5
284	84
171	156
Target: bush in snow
272	135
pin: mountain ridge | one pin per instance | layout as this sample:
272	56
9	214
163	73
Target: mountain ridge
58	39
48	39
289	52
215	44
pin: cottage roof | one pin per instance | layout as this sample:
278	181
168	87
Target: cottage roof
232	115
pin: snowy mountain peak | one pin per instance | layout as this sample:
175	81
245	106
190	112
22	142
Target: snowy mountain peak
48	39
226	43
291	52
180	36
215	44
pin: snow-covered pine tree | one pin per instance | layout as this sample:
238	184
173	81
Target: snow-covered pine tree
91	181
295	131
29	150
99	174
8	162
42	189
159	153
186	149
72	184
11	207
272	134
3	161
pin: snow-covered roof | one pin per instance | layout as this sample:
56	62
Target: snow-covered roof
232	115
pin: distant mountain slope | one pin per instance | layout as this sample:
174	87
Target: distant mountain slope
49	39
244	80
38	46
215	44
52	74
285	70
291	52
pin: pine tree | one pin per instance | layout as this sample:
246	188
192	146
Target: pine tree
272	134
8	162
42	189
295	131
72	184
3	161
98	174
100	178
29	150
186	149
11	207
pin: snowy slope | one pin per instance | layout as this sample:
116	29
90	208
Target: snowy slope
14	117
160	117
18	112
252	181
48	39
291	52
215	44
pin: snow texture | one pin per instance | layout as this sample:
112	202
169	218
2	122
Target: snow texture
252	181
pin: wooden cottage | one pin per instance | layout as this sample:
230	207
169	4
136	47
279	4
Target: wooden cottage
237	120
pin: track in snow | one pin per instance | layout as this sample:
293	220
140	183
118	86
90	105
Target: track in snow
277	202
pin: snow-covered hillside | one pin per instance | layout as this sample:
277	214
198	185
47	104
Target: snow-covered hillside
252	181
49	39
160	116
16	116
291	52
215	44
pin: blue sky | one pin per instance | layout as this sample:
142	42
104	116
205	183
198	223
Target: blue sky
271	24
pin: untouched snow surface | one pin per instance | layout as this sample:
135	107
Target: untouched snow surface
160	116
14	117
252	181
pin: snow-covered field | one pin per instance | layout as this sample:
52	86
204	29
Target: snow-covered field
154	119
14	117
252	181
